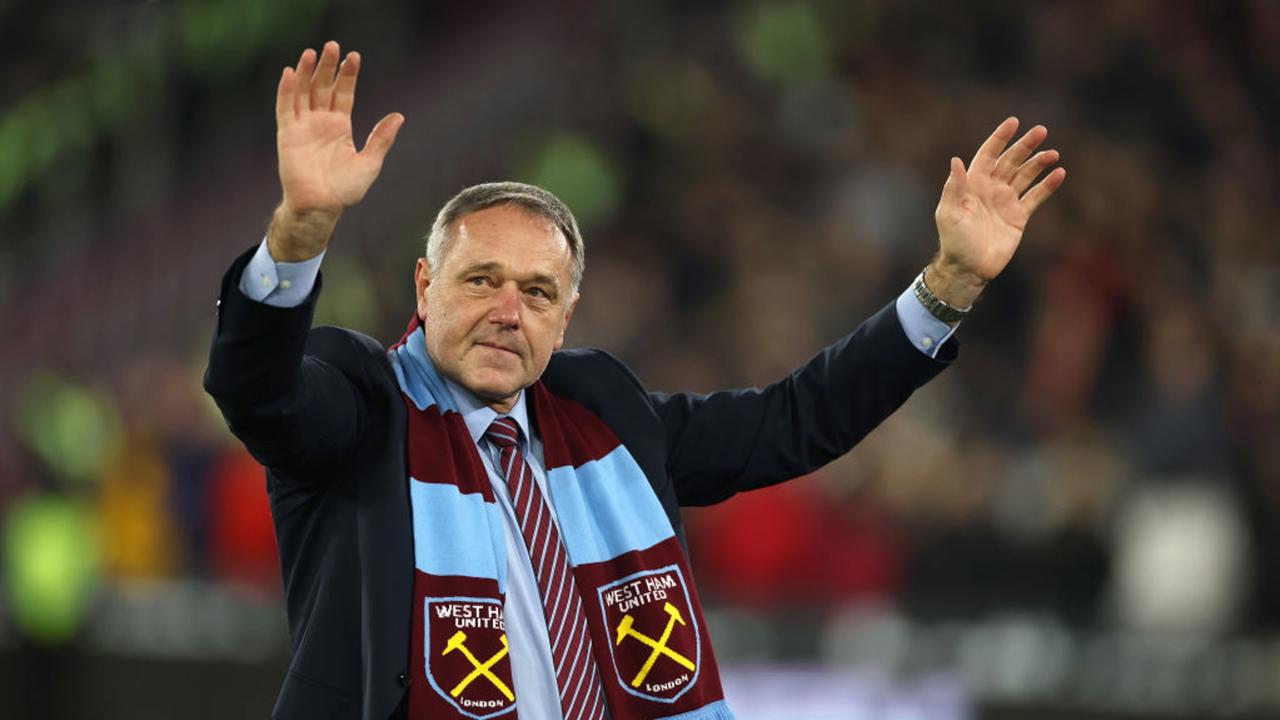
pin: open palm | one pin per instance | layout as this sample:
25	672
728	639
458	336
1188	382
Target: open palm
984	209
320	168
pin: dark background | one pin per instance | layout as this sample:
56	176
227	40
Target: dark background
1080	519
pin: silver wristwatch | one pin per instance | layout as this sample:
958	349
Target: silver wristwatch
936	307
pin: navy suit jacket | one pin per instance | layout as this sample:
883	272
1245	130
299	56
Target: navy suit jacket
321	410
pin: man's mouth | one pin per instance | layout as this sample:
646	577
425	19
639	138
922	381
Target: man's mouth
499	347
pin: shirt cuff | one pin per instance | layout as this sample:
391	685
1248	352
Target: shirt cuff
281	284
925	331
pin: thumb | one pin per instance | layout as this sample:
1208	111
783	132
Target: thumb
382	137
954	188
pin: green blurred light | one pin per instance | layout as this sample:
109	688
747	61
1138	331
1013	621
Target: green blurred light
219	38
70	121
69	427
127	78
785	42
42	139
110	93
13	158
51	565
579	174
671	97
207	30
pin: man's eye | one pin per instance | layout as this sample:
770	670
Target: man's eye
540	292
480	278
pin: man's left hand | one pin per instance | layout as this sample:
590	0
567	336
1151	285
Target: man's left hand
984	210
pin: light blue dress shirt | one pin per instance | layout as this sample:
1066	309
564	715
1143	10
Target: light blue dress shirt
284	284
530	643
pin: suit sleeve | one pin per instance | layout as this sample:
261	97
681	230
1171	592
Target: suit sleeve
728	441
291	410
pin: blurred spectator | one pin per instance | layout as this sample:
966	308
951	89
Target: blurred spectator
139	530
242	541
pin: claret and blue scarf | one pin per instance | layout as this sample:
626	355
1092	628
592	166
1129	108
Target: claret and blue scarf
650	640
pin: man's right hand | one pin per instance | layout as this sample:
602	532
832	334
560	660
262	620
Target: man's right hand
321	173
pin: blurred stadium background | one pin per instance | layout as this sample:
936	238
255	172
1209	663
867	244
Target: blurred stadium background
1080	519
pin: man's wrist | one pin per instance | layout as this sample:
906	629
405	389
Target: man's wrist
299	236
934	306
954	287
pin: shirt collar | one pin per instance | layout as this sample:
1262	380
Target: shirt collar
479	416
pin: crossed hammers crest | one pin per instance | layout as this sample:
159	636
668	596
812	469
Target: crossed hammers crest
482	669
626	629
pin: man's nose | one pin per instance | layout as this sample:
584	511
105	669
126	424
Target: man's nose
506	309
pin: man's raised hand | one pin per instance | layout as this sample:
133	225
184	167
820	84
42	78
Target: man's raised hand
984	210
321	172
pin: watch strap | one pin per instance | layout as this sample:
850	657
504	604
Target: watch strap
934	304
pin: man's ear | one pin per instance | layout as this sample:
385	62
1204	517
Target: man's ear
421	279
568	315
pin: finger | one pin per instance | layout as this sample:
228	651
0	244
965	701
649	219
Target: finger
1032	168
1018	153
985	159
1043	190
382	137
953	189
322	84
284	97
344	91
302	92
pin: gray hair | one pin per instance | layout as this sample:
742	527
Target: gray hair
532	198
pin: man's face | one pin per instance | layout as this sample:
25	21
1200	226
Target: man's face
500	304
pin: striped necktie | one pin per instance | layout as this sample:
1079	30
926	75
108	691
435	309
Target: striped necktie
581	694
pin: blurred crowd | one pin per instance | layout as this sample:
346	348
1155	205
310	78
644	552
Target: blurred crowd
754	180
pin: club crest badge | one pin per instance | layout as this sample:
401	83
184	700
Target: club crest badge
653	633
468	659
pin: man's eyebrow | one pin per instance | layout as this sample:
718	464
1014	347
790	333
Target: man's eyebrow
493	266
490	266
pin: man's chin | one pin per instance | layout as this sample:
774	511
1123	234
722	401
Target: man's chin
490	389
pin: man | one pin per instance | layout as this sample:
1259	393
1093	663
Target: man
471	524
